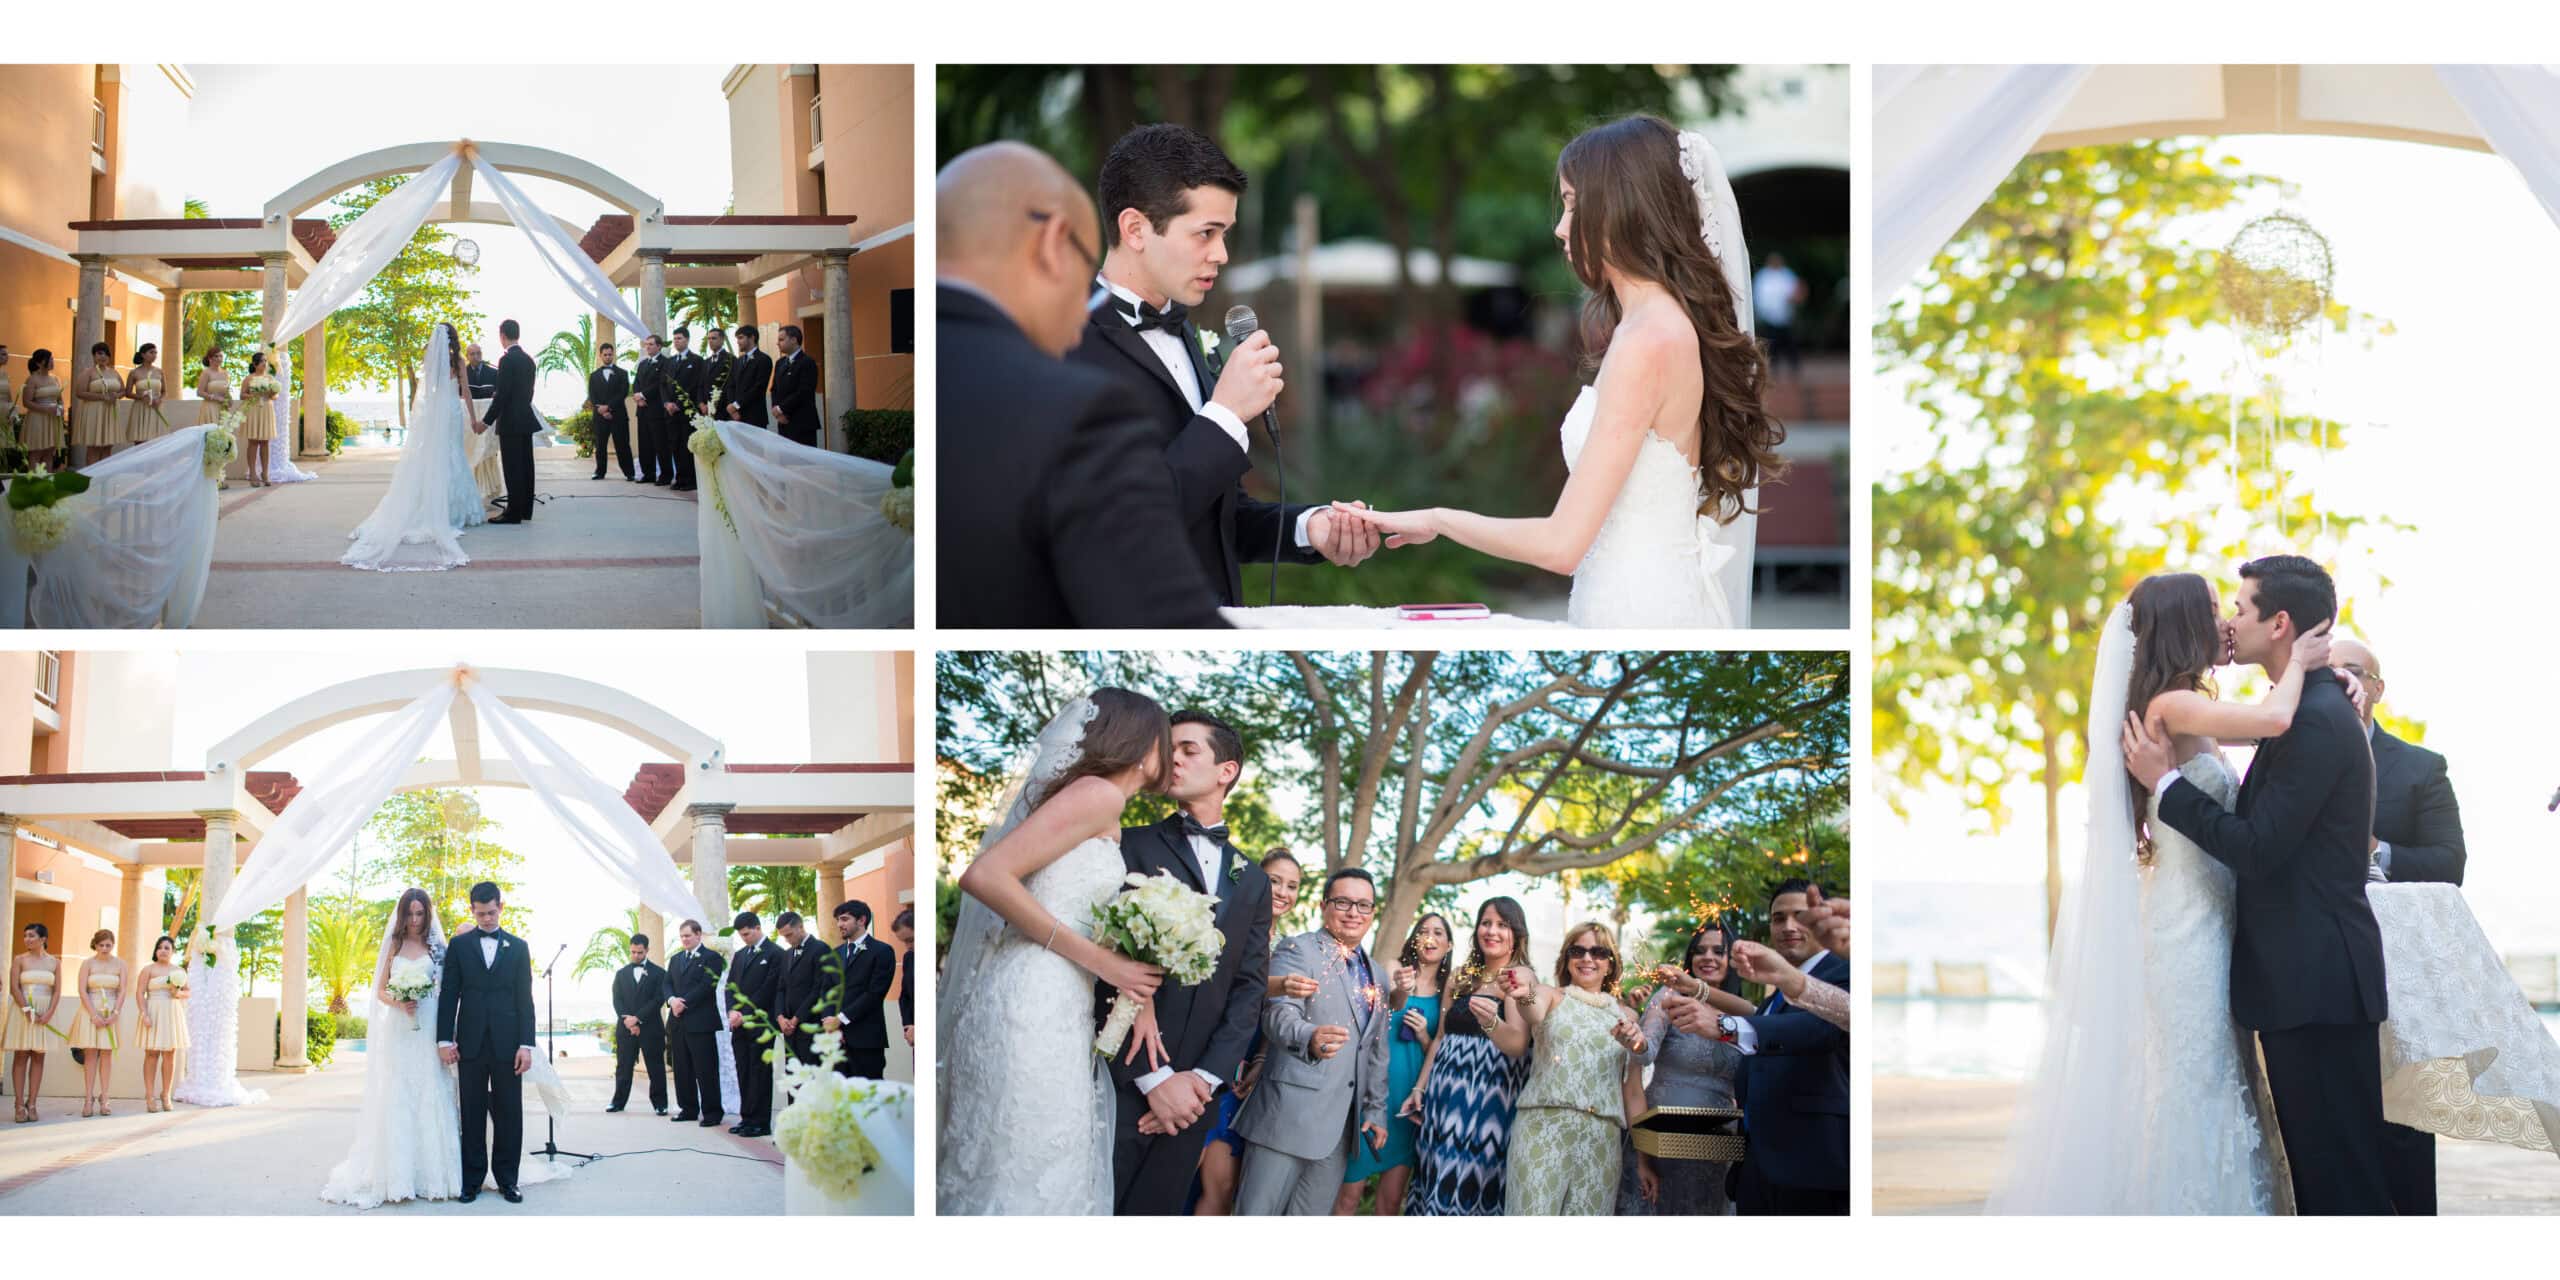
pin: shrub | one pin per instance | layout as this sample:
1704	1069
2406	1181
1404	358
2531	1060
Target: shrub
319	1035
352	1026
879	434
341	429
580	429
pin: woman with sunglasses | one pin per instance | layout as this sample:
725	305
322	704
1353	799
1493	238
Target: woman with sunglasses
1586	1077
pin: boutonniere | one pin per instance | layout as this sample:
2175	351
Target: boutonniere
1235	873
1209	346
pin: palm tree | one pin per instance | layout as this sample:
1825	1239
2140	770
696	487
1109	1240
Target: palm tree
703	307
608	948
771	891
346	944
573	351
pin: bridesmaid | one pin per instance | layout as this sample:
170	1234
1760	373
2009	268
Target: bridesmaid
257	423
28	1032
146	387
41	434
1688	1071
8	388
1586	1076
164	1023
93	1031
93	413
1422	973
1222	1152
1471	1075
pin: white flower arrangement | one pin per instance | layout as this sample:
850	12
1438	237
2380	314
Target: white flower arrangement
219	446
177	977
265	386
898	506
412	977
1208	343
1161	921
820	1124
708	450
37	530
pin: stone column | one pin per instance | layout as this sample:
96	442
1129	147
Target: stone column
835	884
654	925
89	325
9	882
838	369
653	292
313	438
221	864
747	314
711	863
173	340
604	334
135	948
294	1009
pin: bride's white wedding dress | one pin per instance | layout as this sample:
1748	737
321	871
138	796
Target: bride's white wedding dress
408	1141
418	524
1656	561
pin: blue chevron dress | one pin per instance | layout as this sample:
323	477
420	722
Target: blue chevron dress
1466	1123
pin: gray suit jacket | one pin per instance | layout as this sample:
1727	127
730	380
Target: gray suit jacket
1304	1107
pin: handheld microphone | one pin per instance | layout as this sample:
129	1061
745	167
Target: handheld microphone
1242	324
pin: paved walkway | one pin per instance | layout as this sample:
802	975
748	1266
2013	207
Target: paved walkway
272	1158
599	553
1939	1148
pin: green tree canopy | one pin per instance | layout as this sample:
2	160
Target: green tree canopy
438	840
379	340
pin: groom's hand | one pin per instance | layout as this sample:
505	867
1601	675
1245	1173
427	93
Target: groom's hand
1251	379
1341	539
524	1060
450	1054
1178	1101
2145	757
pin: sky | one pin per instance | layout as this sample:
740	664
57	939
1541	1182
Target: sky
758	711
2452	433
585	111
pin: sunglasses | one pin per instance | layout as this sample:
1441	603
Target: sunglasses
1589	953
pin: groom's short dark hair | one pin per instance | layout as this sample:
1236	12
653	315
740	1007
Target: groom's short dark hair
1225	743
639	940
507	329
1154	168
485	891
2297	585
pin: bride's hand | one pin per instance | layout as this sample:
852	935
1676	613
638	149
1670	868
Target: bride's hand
1403	528
1145	1034
2311	648
1127	975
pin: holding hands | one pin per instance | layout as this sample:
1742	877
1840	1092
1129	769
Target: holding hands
1401	528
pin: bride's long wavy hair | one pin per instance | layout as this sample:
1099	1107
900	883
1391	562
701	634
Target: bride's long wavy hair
452	350
2176	642
1633	209
1127	729
400	918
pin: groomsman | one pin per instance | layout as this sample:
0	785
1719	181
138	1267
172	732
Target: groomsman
638	990
609	394
809	979
905	928
693	1025
795	389
869	966
650	381
747	382
685	372
716	366
755	982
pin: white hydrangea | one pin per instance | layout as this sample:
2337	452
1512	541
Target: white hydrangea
1161	921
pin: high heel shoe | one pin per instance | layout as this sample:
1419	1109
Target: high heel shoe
88	1108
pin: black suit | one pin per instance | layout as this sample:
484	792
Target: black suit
640	991
808	993
716	368
486	1013
1206	1027
907	993
861	1001
747	383
482	378
650	381
1059	512
511	415
1221	525
684	372
609	390
755	981
795	393
2415	813
694	1035
1794	1094
2306	965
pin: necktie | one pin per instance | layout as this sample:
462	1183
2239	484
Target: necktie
1174	319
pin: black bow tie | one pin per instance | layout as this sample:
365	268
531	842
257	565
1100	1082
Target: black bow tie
1174	319
1191	827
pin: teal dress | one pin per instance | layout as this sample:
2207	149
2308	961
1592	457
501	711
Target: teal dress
1405	1052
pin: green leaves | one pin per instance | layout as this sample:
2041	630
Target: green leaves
44	490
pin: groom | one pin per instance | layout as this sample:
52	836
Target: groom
511	412
2306	957
484	1027
1166	1112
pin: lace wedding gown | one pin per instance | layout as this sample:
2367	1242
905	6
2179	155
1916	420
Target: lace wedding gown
418	524
408	1142
2209	1139
1655	560
1025	1098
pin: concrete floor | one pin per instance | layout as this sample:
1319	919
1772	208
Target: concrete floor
598	554
1939	1147
273	1157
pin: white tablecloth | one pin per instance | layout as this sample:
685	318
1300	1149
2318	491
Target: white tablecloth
2464	1054
1346	617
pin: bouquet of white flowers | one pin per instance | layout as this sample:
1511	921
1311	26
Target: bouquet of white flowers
820	1123
1161	921
178	977
265	386
708	448
412	977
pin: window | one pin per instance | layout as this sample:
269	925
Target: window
49	677
817	133
902	321
97	126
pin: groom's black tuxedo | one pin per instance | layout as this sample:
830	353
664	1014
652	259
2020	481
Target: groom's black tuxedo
511	415
1060	513
486	1013
1221	525
1206	1027
2306	954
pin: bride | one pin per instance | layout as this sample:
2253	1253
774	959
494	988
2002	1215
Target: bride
1026	1106
1668	445
408	1141
419	522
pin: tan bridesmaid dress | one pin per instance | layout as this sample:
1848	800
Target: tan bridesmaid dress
85	1031
168	1016
145	422
93	422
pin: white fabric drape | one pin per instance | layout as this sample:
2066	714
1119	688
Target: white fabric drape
599	821
810	536
2518	110
560	253
364	248
1943	138
317	827
140	542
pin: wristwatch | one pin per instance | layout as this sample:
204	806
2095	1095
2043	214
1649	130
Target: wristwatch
1725	1028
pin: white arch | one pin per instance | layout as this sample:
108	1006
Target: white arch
508	157
523	690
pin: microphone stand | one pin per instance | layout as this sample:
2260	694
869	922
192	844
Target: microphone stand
1271	427
550	1021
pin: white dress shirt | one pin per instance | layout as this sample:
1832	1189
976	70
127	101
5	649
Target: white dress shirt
1177	362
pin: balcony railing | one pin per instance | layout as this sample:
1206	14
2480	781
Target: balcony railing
49	676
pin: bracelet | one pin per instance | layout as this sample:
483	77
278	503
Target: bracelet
1048	945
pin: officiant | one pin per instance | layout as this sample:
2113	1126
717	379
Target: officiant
479	374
